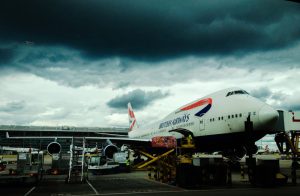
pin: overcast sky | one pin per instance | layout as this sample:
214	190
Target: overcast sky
78	63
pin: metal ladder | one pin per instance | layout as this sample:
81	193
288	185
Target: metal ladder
77	164
292	142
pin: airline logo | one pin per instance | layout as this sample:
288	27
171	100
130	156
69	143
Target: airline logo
131	114
132	119
186	117
207	101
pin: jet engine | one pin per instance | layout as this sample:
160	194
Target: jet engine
110	150
54	148
240	152
235	153
252	149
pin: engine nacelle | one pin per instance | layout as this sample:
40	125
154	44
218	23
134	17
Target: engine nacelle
240	152
54	148
252	149
110	150
235	153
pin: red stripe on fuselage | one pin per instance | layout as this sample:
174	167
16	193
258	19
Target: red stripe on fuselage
197	104
131	114
132	125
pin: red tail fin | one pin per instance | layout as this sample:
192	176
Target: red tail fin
131	117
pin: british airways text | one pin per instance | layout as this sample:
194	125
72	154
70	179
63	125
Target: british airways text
175	121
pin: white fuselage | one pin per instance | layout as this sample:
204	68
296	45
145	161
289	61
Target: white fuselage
222	113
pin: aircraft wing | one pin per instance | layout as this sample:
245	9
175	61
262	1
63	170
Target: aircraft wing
124	140
118	140
18	149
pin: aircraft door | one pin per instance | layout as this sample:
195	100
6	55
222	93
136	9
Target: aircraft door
201	124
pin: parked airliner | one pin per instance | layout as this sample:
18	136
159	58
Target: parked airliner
229	119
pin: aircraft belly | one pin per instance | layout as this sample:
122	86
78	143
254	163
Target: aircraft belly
218	142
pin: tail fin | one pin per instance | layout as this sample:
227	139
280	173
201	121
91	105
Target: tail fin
132	119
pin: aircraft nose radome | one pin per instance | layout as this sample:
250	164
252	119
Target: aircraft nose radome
268	116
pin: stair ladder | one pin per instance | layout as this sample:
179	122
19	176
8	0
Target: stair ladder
77	165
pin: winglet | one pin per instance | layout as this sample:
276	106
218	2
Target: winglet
7	135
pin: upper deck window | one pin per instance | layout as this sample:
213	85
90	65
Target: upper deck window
236	92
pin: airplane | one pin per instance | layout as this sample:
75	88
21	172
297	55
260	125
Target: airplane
229	120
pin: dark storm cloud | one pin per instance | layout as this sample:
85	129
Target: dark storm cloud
151	29
138	98
40	55
6	55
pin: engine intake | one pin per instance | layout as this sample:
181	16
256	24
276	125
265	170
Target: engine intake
54	148
240	152
110	150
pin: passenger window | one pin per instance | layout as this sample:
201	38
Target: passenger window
232	116
228	116
236	115
240	115
222	117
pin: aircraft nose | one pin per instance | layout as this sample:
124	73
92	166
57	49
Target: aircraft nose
268	116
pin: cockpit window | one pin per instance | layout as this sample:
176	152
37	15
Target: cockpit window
236	92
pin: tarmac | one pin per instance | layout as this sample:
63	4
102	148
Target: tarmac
137	183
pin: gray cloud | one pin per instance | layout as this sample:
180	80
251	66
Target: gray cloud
14	106
279	100
121	85
265	93
138	98
262	93
294	107
291	101
287	105
278	96
120	73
